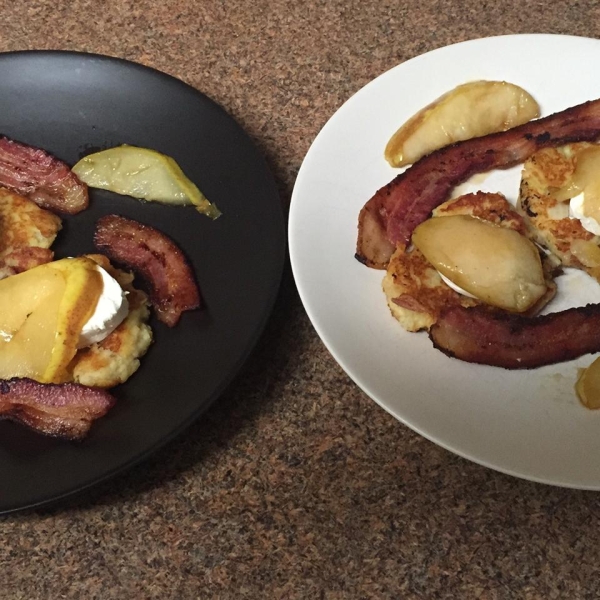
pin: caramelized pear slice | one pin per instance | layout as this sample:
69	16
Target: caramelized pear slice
469	110
495	264
583	189
29	305
83	289
588	385
42	312
142	173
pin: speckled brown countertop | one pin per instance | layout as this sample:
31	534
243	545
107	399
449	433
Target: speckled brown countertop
295	484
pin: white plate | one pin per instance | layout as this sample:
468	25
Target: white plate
526	423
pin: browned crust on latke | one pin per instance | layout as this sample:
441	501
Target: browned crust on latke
490	207
26	234
543	174
422	290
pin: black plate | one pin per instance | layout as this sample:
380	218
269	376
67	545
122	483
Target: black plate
71	104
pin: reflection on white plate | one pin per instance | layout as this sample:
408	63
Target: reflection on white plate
528	423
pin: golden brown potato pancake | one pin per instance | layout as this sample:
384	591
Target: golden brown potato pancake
547	219
414	290
26	233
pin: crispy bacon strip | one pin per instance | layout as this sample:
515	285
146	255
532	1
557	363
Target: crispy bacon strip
392	214
64	410
41	177
156	258
493	337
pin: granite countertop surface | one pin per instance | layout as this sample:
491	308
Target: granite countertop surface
295	484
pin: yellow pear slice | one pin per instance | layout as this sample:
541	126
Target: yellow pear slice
495	264
584	180
142	173
469	110
588	385
42	312
29	305
83	289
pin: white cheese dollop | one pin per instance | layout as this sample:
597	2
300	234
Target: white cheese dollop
111	310
455	287
576	212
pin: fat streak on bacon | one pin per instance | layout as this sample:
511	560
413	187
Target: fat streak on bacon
41	177
64	410
391	215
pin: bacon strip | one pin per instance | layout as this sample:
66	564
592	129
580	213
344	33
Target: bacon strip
41	177
392	214
156	258
490	337
64	410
